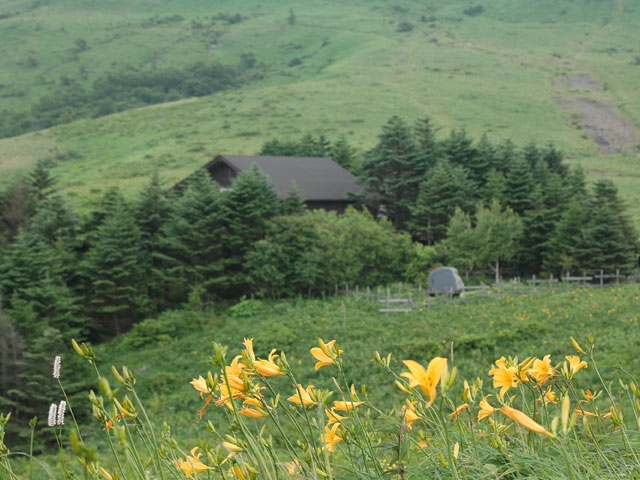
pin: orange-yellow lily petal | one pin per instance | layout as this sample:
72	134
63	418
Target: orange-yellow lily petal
523	419
326	353
410	416
331	436
268	367
344	406
575	365
303	397
333	417
192	464
504	376
427	379
542	370
200	384
456	413
486	409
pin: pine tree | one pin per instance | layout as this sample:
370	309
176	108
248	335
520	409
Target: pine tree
193	237
495	188
393	170
428	150
152	210
520	186
567	238
343	154
447	188
16	208
117	268
611	239
458	148
41	181
247	205
293	203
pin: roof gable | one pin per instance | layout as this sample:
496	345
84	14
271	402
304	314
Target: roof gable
316	178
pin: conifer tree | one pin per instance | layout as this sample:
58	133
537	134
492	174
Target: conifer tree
247	207
193	238
41	181
117	267
519	186
567	238
343	154
459	150
152	210
611	241
447	187
428	150
293	203
16	208
393	170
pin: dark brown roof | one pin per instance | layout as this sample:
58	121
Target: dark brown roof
315	178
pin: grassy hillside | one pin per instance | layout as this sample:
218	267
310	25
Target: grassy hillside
562	72
476	333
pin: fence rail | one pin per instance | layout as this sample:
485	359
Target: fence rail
402	298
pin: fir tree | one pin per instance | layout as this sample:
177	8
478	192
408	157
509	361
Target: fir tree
193	238
247	205
519	186
41	181
448	187
117	268
393	170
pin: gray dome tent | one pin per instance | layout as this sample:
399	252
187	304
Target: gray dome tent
445	280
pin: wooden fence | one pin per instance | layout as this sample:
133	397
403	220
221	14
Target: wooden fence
403	298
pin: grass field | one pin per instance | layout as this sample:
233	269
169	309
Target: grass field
166	353
474	334
525	72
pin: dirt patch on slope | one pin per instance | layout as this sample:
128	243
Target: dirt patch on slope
612	133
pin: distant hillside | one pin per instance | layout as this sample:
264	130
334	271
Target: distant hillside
547	71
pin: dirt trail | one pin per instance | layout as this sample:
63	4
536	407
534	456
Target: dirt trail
612	133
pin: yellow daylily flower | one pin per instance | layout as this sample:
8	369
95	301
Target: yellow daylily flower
427	379
331	436
326	353
574	365
333	417
200	384
410	416
192	464
344	406
244	472
548	396
504	376
303	397
248	345
486	409
268	367
541	371
524	420
456	413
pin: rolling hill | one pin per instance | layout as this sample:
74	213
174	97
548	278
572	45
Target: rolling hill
559	71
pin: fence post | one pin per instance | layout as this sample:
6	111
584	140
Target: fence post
551	281
601	278
617	276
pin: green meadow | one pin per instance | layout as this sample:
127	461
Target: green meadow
165	354
552	71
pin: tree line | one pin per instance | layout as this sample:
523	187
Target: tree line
124	90
457	201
